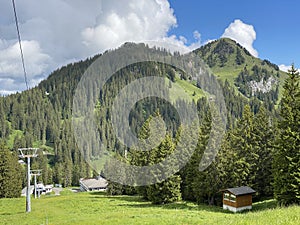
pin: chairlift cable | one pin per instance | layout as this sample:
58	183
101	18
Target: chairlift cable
20	44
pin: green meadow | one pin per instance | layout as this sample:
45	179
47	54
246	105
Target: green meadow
97	208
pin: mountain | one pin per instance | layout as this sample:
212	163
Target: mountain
249	75
41	117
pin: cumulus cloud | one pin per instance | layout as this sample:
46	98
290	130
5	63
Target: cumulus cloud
137	21
50	31
242	33
286	68
57	32
7	82
10	62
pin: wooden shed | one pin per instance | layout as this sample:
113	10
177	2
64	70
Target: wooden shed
237	199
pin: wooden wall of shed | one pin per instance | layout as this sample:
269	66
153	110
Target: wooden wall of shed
244	200
228	202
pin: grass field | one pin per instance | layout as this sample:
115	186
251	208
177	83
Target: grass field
185	90
95	208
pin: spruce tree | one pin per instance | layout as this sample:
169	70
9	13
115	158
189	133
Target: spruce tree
10	174
287	153
242	144
237	160
168	190
263	144
190	173
141	158
160	192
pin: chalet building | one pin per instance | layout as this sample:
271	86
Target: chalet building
44	189
40	189
98	184
237	199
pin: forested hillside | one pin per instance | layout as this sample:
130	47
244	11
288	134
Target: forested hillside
252	89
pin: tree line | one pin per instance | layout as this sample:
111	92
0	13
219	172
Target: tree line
260	148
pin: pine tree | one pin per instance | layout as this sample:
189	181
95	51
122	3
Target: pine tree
168	190
242	144
160	192
194	182
10	174
190	173
207	182
142	158
287	152
228	161
263	144
237	160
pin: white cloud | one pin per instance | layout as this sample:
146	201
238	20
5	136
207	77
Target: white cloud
135	21
197	35
285	68
9	86
10	62
242	33
6	92
171	43
57	32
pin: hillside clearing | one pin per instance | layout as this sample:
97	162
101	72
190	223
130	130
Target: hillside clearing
97	208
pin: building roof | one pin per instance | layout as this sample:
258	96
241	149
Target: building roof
244	190
24	190
94	183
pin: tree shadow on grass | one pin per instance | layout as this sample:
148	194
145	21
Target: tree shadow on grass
179	206
98	193
264	205
137	202
127	198
258	206
12	213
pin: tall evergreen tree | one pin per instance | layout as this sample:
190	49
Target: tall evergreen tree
160	192
242	144
190	174
287	153
237	158
168	190
263	141
10	174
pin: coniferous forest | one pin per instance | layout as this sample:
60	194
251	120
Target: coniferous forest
260	149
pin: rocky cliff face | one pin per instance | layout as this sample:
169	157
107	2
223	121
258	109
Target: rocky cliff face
264	86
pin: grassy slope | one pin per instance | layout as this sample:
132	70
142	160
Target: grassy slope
183	89
231	70
91	208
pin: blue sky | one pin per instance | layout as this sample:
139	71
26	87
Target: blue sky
58	32
277	24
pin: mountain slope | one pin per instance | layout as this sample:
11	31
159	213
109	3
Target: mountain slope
228	59
41	117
